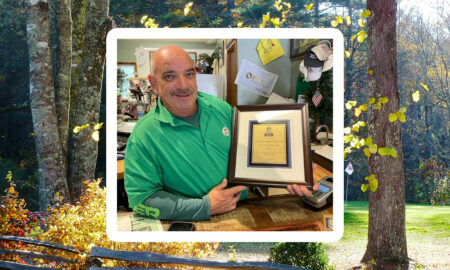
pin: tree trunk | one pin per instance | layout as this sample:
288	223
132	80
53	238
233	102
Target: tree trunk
83	149
63	72
387	235
52	173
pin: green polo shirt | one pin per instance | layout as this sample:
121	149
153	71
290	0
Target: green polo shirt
167	153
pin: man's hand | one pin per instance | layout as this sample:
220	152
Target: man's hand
222	200
302	190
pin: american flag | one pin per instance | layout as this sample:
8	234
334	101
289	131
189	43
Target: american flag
317	98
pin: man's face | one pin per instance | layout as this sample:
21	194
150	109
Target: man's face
174	80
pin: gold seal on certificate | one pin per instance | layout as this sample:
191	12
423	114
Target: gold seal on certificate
268	144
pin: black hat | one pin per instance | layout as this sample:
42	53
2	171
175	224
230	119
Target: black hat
311	59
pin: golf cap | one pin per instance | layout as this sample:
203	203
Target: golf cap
311	59
322	51
311	73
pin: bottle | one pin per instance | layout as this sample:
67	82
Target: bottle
140	111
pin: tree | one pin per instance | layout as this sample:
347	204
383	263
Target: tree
387	232
65	161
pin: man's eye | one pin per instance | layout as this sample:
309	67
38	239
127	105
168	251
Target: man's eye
169	77
190	74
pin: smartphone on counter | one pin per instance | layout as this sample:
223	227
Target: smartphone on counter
181	226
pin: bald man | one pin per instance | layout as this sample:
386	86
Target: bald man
177	156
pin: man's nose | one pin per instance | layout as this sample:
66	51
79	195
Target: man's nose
183	82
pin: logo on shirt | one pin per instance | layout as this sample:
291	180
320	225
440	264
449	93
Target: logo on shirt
225	131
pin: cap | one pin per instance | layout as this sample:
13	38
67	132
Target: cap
311	73
328	64
311	59
322	51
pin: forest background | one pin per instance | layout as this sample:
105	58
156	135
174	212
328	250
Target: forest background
422	55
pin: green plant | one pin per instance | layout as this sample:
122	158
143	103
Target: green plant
209	59
308	255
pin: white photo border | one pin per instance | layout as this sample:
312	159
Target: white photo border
205	33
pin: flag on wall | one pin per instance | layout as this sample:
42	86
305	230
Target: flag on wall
317	98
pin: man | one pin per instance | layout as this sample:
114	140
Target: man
177	156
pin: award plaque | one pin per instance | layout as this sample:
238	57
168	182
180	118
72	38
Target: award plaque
270	146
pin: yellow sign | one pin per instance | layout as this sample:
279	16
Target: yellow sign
269	50
269	144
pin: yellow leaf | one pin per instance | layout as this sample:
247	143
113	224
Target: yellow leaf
11	190
98	126
373	185
353	37
361	22
368	141
364	187
361	123
278	6
266	18
425	86
371	100
239	25
366	13
96	136
355	128
308	7
402	109
347	130
362	35
401	116
334	23
393	152
357	112
384	151
383	100
339	19
416	96
363	107
373	148
288	5
350	104
143	19
76	129
347	53
276	22
377	106
348	138
370	72
348	20
392	117
367	152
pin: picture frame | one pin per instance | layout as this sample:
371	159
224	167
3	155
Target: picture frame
278	160
298	47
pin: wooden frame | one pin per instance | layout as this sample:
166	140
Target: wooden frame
283	159
298	47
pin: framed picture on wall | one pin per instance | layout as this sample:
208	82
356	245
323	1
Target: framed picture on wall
298	47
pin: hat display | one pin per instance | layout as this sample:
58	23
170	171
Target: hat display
311	73
323	50
311	59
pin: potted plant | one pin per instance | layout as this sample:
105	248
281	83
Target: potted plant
209	59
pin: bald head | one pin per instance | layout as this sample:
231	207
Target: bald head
165	54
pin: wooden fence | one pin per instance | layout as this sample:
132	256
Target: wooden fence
97	254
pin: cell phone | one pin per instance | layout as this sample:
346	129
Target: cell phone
181	226
320	197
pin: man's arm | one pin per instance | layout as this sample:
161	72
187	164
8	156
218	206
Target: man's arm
166	205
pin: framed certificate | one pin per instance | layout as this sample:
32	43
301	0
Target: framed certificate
270	146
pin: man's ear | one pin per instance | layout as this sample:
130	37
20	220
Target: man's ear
153	82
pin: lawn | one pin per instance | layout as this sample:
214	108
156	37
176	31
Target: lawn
427	231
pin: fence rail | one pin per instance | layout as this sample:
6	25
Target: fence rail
94	262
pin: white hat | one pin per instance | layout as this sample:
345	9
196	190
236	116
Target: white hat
323	50
311	73
328	64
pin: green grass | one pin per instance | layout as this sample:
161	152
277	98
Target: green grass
421	220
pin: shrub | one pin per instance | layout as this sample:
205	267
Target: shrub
308	255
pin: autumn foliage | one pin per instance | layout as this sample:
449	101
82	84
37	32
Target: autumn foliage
81	226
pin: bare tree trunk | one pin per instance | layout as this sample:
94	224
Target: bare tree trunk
83	149
52	173
387	235
63	73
